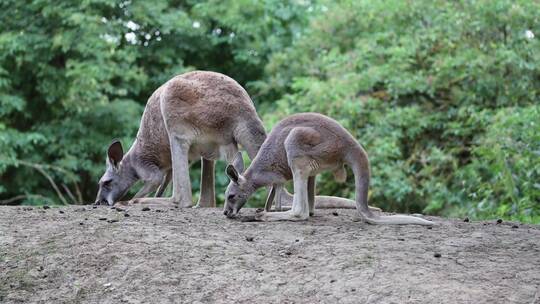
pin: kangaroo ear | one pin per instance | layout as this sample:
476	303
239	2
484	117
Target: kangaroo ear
232	173
115	153
238	162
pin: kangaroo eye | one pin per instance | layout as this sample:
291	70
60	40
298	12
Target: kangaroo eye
106	183
230	197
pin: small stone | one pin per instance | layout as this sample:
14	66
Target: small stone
46	207
332	281
112	221
429	227
297	240
437	255
515	226
499	221
119	209
466	220
102	219
401	239
94	207
146	209
159	210
249	238
126	215
353	289
81	223
60	211
335	213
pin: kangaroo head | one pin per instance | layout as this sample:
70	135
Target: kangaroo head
118	177
239	189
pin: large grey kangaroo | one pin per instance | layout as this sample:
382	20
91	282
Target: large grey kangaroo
298	148
195	115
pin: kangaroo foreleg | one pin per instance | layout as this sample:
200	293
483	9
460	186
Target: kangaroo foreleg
270	199
164	184
147	188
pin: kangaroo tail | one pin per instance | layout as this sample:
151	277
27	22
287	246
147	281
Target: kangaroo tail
323	202
397	220
359	163
330	202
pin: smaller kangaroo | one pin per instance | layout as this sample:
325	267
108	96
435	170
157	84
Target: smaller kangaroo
298	148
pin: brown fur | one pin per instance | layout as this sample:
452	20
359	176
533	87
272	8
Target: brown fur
208	110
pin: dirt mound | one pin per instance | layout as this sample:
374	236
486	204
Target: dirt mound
104	255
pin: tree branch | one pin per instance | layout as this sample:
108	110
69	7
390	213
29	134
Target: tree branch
39	168
11	201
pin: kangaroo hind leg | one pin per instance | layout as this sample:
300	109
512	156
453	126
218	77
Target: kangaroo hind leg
302	165
207	197
311	194
300	208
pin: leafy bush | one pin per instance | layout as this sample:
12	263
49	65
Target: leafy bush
440	93
76	74
503	177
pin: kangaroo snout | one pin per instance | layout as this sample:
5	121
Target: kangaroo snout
102	201
230	212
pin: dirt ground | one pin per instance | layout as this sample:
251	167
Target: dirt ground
85	255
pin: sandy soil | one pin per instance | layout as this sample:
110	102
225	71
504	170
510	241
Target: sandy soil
86	255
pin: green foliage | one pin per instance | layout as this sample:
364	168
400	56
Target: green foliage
503	177
442	94
75	75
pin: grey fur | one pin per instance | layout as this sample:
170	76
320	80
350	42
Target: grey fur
298	148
